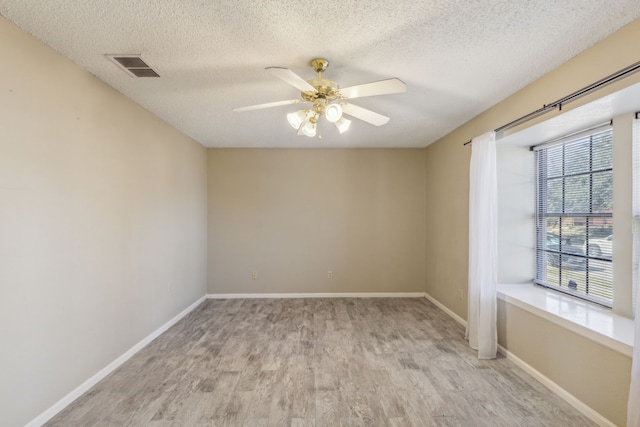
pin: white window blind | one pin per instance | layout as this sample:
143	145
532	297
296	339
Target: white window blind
574	216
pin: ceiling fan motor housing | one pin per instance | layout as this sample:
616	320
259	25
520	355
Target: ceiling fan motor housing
325	89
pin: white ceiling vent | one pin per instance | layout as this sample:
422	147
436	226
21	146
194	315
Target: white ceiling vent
133	65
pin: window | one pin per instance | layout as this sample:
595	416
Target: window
574	215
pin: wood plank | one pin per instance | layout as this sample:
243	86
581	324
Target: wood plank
317	362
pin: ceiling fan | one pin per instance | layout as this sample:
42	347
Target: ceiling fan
328	100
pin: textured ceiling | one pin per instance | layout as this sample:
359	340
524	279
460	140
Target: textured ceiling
457	58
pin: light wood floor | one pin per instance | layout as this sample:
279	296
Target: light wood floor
317	362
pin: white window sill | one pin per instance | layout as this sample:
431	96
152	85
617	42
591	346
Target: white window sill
582	317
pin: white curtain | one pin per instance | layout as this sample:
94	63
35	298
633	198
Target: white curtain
483	247
633	405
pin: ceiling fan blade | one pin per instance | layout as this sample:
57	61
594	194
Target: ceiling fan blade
364	114
267	105
292	78
382	87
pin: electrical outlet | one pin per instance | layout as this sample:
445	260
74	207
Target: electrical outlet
254	275
330	274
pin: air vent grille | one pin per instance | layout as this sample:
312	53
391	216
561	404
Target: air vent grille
143	72
134	65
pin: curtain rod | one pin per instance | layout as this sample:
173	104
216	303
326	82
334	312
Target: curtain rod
558	104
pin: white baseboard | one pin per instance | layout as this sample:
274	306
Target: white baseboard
552	386
320	295
564	394
85	386
446	310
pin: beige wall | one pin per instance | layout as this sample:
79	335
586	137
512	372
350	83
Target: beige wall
292	215
447	196
596	375
447	228
102	225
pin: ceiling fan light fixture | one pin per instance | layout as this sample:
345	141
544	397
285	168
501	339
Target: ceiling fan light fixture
296	119
342	124
333	113
309	129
